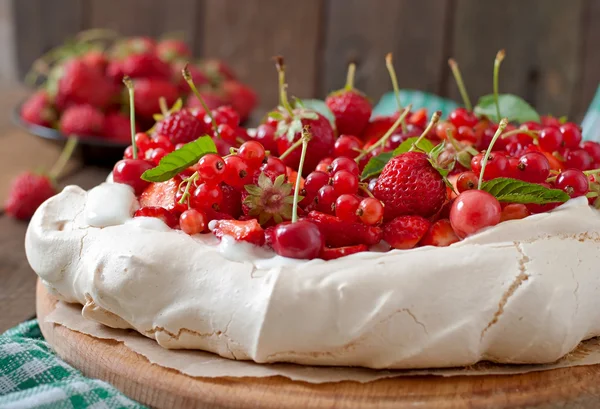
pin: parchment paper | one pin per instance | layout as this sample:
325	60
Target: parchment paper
207	365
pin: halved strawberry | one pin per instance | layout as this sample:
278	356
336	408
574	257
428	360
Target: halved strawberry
440	234
333	253
249	231
162	194
339	233
405	232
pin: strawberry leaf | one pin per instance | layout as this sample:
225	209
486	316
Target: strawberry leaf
424	145
181	159
517	191
321	107
515	108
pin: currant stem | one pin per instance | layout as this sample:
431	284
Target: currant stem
497	62
188	78
434	120
453	141
364	187
186	192
306	136
460	84
283	98
129	84
392	72
585	172
533	134
350	77
499	131
386	136
164	109
290	149
64	157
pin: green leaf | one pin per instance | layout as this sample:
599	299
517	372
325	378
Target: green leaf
425	145
515	108
376	165
321	107
181	159
435	152
517	191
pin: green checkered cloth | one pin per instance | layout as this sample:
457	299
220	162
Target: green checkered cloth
32	376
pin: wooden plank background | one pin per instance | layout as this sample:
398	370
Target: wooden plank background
553	51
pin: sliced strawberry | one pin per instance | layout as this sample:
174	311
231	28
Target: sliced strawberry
333	253
339	233
162	194
440	234
158	212
249	231
405	232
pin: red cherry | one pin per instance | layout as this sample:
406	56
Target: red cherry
344	163
474	210
211	168
207	197
300	240
345	182
578	159
573	181
550	139
346	206
370	211
441	129
593	149
326	197
533	167
497	165
158	212
128	154
348	146
253	153
265	134
571	134
237	172
129	172
323	165
461	117
193	222
315	181
274	165
466	181
486	138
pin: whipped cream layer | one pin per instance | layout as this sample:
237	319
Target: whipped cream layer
525	291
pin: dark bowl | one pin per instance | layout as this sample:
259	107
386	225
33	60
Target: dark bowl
94	150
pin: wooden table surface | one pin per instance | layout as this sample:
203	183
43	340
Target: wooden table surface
20	151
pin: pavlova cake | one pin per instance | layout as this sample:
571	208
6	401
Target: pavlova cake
392	242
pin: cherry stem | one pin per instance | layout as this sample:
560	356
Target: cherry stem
283	98
164	109
290	149
497	62
386	136
460	84
188	78
392	72
484	162
533	134
350	77
129	84
434	120
64	157
364	187
186	192
306	136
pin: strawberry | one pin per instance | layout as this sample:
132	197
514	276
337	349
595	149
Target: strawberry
339	233
132	45
269	198
78	83
409	184
158	212
162	194
117	127
241	97
351	108
145	65
95	59
197	76
249	230
333	253
170	50
181	127
217	71
148	92
38	109
405	232
27	192
82	120
440	234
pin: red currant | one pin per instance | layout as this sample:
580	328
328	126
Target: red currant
370	211
300	240
550	139
211	168
274	165
514	211
348	146
128	152
344	163
578	159
207	197
326	197
466	181
158	212
346	206
227	133
142	141
465	133
129	172
533	167
315	181
442	128
593	149
345	182
265	134
571	134
461	117
193	222
163	142
253	153
323	165
156	155
497	165
237	172
573	181
474	210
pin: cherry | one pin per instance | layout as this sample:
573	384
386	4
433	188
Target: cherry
370	211
593	149
348	146
129	172
346	206
571	134
326	197
474	210
514	211
573	181
163	142
550	139
497	165
513	172
345	182
274	165
442	128
461	117
193	222
237	172
158	212
300	240
533	167
578	159
253	153
344	163
207	197
265	134
465	133
323	165
514	148
211	168
466	181
486	138
315	181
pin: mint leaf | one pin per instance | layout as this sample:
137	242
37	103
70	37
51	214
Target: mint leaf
377	163
318	106
179	160
515	108
517	191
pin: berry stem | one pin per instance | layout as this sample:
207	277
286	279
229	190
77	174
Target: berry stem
364	187
350	77
585	172
392	72
497	62
64	157
189	181
188	78
290	149
460	84
283	98
533	134
484	162
434	120
306	136
129	84
386	136
164	109
453	141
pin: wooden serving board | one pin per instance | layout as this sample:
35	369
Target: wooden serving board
155	386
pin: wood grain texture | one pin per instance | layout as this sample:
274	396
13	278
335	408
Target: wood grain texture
247	34
155	386
367	31
8	68
590	70
541	39
41	25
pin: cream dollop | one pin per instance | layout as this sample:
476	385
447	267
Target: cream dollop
524	291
